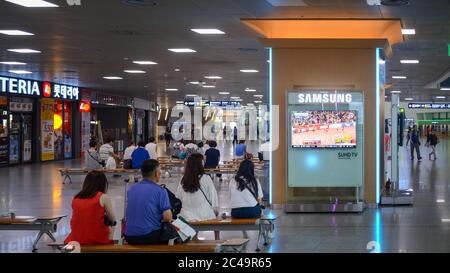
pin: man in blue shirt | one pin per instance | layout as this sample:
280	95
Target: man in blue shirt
139	155
147	207
241	149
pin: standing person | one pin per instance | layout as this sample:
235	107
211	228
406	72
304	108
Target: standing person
90	208
127	162
139	156
197	192
241	149
415	143
92	158
148	208
235	135
224	133
432	141
408	136
152	148
246	192
167	137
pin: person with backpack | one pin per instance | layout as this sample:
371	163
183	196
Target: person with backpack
246	192
197	192
148	208
177	149
432	141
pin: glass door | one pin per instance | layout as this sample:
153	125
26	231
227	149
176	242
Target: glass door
14	138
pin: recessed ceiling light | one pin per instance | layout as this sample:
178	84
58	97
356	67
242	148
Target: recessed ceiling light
209	86
250	90
440	201
445	89
195	82
445	220
182	50
112	78
171	89
135	71
177	70
207	31
144	62
224	93
13	63
399	77
408	31
16	33
179	102
258	96
409	99
24	50
250	104
33	3
396	92
409	61
213	77
191	95
235	98
249	71
20	71
440	97
258	101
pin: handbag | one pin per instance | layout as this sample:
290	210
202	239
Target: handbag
168	233
102	163
108	222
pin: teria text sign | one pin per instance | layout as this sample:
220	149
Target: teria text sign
36	88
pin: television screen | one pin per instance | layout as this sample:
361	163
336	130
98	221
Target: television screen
323	129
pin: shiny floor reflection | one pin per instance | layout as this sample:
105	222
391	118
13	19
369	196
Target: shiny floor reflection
425	227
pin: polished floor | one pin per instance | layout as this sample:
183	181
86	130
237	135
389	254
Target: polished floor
424	227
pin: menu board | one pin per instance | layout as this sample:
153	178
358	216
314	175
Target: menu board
47	131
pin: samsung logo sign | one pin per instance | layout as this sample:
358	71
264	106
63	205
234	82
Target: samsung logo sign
324	98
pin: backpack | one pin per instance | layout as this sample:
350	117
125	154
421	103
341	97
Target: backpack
175	203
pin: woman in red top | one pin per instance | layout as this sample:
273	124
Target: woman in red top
90	207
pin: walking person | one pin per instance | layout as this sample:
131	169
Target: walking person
432	142
415	143
235	135
408	137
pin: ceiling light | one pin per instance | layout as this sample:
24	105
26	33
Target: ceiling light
182	50
249	71
224	93
20	71
179	102
399	77
250	104
191	95
207	31
258	96
445	89
408	31
144	62
13	63
24	50
213	77
440	201
445	220
440	97
409	61
409	99
134	71
258	101
177	70
396	92
171	89
112	78
33	3
15	33
235	98
209	86
194	82
250	90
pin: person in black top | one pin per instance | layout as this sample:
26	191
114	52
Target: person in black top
235	135
167	137
432	142
212	157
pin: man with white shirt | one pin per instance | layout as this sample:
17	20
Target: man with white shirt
127	155
151	148
264	151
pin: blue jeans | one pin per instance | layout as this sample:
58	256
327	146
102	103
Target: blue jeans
248	212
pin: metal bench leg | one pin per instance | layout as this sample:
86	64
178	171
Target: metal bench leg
217	235
259	238
39	236
50	235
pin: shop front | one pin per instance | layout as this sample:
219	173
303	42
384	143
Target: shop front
37	121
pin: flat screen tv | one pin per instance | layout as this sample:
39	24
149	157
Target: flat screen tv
323	129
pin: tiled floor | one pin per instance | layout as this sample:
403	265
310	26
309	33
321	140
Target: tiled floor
37	190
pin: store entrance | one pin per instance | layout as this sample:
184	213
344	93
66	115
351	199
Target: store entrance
20	138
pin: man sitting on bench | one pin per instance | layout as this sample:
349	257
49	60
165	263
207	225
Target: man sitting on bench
148	208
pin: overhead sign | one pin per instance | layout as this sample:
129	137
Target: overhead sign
34	88
213	103
429	105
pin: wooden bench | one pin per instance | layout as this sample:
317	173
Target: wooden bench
45	225
66	173
195	246
264	225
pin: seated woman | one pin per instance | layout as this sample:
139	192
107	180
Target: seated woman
197	192
90	208
92	157
246	192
